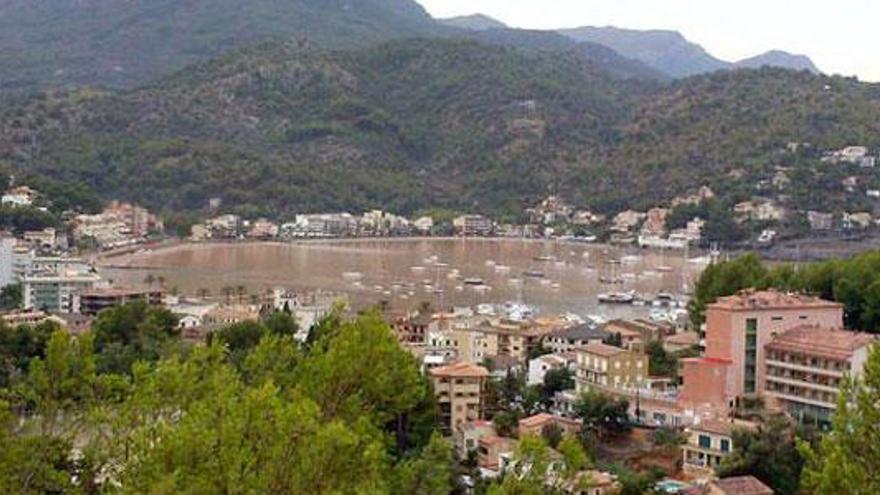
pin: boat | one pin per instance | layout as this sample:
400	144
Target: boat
474	281
502	269
631	259
490	262
616	298
533	274
544	258
610	280
417	268
352	276
663	268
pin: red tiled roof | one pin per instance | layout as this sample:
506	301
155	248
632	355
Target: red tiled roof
721	427
460	369
743	485
604	350
814	340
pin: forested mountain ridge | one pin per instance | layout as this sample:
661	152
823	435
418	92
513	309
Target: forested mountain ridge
121	43
283	128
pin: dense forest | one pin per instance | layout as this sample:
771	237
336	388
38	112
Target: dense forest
407	125
853	282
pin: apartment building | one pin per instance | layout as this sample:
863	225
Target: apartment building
477	225
537	424
94	301
459	390
738	328
569	339
609	366
57	291
804	368
511	339
708	443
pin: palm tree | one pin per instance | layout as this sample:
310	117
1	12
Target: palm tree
150	279
204	293
241	291
161	280
227	292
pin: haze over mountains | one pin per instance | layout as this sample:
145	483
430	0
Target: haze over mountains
280	106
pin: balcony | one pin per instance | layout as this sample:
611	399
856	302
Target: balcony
804	368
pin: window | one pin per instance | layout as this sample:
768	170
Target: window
705	442
751	355
725	445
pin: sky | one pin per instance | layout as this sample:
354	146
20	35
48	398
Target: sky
841	36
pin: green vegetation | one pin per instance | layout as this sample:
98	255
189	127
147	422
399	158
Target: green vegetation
437	124
769	454
847	459
342	416
853	282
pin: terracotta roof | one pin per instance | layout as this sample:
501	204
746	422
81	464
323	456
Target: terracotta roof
460	369
683	338
814	340
743	485
604	350
770	299
544	418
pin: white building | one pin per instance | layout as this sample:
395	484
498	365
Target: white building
58	291
541	365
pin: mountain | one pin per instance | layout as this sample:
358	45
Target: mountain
276	129
124	43
777	58
475	22
666	51
672	54
407	125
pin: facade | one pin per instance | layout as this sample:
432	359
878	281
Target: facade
411	330
646	330
708	443
511	339
739	327
57	292
539	366
476	225
569	339
94	301
459	390
804	368
609	366
468	435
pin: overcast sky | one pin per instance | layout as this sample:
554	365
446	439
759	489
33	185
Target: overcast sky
841	36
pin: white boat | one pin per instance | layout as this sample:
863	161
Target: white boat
474	281
502	269
533	274
616	298
490	262
544	258
631	259
417	268
352	276
664	268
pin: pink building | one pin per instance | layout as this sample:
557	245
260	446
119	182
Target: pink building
737	330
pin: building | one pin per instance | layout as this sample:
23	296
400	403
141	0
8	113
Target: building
492	452
8	246
459	390
708	443
569	339
681	341
539	366
609	366
28	317
512	339
411	329
804	367
468	435
41	238
539	423
820	221
57	291
473	225
221	316
20	196
738	485
638	330
94	301
738	329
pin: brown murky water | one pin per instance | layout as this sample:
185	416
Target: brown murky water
408	271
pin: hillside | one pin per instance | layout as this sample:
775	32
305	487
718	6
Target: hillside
122	43
671	53
284	128
476	22
666	51
778	58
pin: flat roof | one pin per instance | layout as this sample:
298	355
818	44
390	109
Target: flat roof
743	485
750	300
